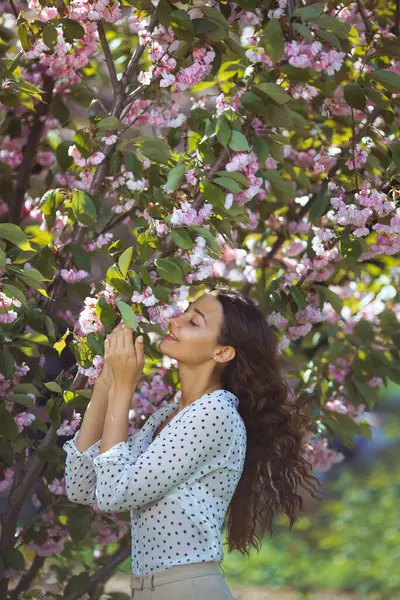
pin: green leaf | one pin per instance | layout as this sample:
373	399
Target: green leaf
319	208
109	124
13	559
238	142
274	41
164	10
23	35
8	427
223	131
50	36
304	31
24	400
77	584
53	386
169	270
298	297
236	175
276	151
83	208
63	158
81	257
124	261
229	184
217	18
331	38
331	297
274	91
282	188
105	312
182	25
79	525
83	143
202	26
253	103
396	154
364	330
72	30
61	344
25	388
28	88
128	316
154	148
14	234
175	177
114	278
182	238
354	96
133	164
276	114
389	80
309	12
339	28
196	230
377	97
60	111
213	194
260	148
369	394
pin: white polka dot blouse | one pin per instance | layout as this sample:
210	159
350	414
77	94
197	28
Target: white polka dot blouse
177	487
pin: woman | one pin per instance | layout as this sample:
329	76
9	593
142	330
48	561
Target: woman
232	448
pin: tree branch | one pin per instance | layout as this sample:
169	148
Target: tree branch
30	151
103	574
116	84
364	18
27	578
133	63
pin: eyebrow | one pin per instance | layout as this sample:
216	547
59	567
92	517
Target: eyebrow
196	310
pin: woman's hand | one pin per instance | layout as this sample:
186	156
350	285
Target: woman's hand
123	358
103	381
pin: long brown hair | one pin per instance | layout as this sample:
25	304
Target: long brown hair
275	463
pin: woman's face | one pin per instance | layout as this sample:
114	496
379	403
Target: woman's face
197	331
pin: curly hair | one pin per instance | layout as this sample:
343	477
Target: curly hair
275	462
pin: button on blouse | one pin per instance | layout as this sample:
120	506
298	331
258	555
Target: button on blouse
178	487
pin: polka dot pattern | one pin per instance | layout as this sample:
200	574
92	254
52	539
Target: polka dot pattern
177	487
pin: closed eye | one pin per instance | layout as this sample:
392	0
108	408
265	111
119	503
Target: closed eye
193	323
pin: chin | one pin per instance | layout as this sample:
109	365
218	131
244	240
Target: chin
166	351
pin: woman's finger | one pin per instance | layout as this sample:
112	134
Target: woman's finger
128	341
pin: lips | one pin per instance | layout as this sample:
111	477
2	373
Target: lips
173	335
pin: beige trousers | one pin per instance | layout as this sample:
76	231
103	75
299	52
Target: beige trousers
197	581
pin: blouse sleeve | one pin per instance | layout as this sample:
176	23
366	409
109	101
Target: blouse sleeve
80	475
200	441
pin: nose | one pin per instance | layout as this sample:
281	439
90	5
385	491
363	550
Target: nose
174	323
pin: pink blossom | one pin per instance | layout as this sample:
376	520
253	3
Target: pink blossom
109	140
358	160
320	456
69	427
275	318
23	419
71	275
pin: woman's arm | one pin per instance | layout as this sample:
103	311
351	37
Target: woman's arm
91	428
200	441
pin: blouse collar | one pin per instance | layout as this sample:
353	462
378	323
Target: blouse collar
161	415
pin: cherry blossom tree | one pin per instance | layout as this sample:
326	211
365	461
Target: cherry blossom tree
251	142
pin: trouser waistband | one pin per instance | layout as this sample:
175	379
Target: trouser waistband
176	573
